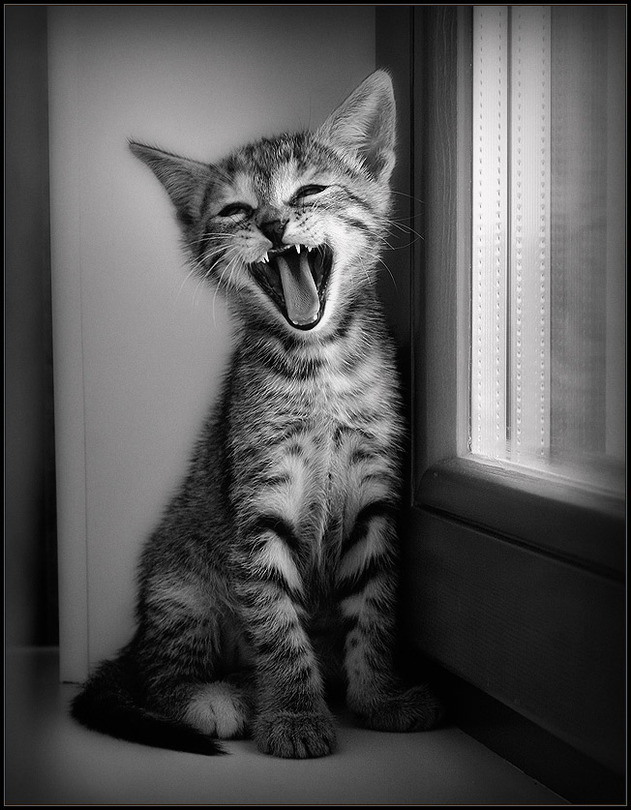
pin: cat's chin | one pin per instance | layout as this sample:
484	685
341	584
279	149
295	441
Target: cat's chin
296	280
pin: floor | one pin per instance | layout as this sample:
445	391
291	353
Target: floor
51	760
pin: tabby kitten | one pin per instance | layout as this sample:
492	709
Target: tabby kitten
274	568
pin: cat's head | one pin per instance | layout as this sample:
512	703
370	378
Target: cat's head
290	228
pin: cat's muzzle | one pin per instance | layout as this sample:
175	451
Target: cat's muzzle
296	279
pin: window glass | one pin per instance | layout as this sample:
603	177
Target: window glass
548	239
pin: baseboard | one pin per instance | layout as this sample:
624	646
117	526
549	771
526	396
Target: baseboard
538	753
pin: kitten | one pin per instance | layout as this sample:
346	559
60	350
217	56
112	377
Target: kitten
274	568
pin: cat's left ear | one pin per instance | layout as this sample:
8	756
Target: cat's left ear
364	125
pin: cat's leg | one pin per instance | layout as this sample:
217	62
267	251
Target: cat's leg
367	583
291	719
178	656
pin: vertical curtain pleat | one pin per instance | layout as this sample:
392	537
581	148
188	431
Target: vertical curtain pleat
547	326
489	223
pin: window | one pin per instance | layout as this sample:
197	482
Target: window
510	313
547	294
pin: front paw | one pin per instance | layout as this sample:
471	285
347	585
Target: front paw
414	709
295	735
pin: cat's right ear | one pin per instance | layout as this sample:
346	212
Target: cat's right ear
185	180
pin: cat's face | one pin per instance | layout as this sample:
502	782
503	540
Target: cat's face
290	228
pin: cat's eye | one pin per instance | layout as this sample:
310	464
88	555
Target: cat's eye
305	192
234	209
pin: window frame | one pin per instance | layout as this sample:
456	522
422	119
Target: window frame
513	582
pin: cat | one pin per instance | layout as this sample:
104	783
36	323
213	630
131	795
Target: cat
272	576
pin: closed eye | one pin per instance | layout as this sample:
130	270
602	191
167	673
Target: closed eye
304	192
234	209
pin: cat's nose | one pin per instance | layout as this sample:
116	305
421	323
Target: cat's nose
273	229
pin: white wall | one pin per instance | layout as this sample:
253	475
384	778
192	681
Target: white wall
138	349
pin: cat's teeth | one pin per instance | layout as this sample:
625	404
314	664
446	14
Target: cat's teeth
309	249
297	248
265	258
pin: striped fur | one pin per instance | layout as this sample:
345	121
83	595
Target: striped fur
276	563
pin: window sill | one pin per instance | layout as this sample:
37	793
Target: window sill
515	584
582	526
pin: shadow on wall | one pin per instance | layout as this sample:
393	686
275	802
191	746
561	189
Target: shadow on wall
30	528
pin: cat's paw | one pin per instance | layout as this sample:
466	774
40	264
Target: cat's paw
414	709
219	709
300	735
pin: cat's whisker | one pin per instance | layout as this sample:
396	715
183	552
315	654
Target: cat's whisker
221	263
385	240
385	243
390	247
199	269
406	229
195	267
408	196
227	269
389	272
233	269
406	219
189	275
211	237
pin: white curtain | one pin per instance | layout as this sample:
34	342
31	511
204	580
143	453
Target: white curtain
548	239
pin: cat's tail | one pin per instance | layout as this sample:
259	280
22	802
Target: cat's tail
106	704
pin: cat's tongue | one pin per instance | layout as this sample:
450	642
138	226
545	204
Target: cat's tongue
299	289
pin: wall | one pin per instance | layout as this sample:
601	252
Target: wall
139	349
30	559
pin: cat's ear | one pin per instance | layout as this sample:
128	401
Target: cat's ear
185	180
365	124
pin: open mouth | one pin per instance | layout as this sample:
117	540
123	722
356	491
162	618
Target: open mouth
296	280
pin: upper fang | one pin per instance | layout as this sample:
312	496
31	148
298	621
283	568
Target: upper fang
297	248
